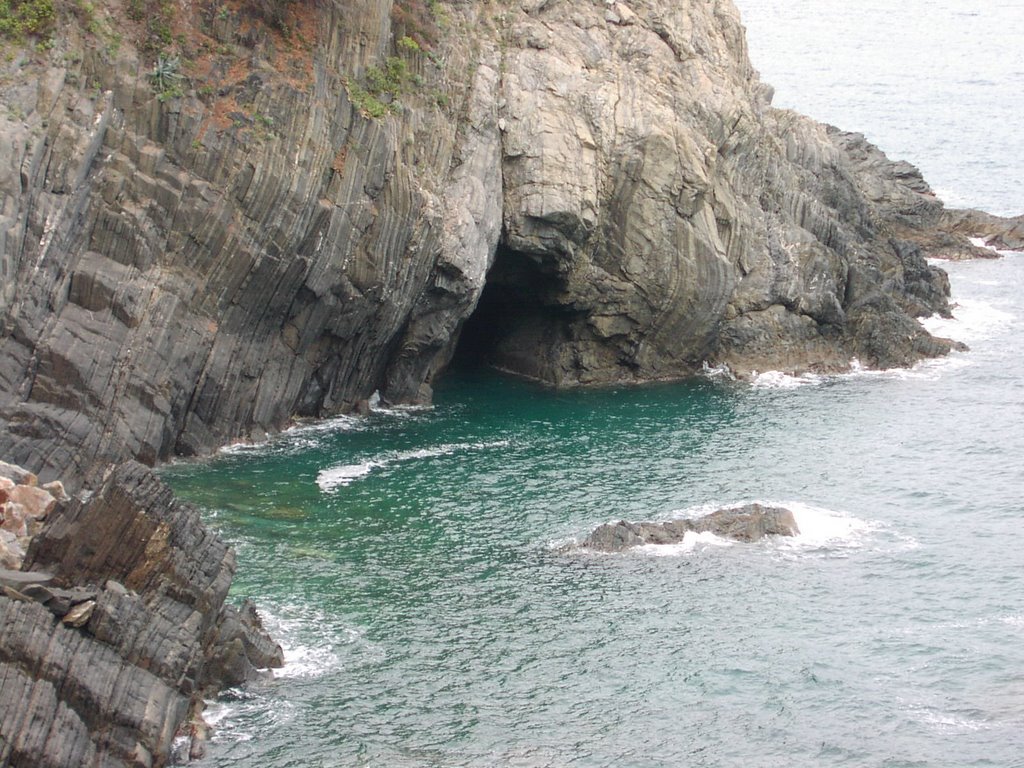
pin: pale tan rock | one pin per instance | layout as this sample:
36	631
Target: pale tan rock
626	15
35	502
12	553
80	614
14	519
56	489
13	472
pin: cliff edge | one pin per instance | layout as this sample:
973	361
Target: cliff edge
216	217
212	227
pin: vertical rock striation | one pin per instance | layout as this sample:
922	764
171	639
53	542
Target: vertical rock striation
581	192
102	661
180	272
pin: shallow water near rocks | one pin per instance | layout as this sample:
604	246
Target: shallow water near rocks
415	564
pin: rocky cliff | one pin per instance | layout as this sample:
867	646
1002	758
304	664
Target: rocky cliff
115	629
218	216
212	228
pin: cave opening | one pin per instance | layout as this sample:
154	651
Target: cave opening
518	325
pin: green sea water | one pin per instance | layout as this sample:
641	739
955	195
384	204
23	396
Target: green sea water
419	568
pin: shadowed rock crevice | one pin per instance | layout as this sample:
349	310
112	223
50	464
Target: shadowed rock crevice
519	326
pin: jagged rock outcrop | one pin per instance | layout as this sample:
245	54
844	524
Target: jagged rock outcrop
186	270
104	656
747	523
23	508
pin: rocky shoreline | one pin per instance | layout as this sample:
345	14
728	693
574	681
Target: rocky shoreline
116	627
265	221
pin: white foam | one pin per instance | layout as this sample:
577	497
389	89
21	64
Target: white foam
342	423
310	640
345	474
979	242
780	380
714	372
826	528
946	722
691	540
972	320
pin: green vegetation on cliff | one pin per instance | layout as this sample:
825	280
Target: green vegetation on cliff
21	18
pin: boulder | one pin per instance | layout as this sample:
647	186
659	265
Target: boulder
17	475
36	503
11	551
746	523
14	519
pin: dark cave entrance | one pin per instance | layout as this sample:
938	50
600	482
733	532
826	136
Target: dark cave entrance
518	327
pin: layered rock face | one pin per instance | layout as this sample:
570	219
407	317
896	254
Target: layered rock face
105	654
181	271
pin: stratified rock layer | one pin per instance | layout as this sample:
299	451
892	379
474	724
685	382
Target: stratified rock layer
748	523
101	661
183	272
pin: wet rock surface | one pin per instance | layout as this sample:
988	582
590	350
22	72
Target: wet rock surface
116	627
747	523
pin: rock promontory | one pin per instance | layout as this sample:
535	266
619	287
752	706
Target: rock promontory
217	217
116	627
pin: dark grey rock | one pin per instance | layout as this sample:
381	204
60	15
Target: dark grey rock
117	669
747	523
22	579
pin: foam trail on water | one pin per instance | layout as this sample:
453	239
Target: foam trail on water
780	380
345	474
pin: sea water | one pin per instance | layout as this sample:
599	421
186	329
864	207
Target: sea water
420	568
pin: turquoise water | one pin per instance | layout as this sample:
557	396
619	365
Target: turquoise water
418	565
415	565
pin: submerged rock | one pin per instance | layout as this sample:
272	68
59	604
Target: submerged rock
747	523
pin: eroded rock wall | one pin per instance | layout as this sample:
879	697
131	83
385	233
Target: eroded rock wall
184	271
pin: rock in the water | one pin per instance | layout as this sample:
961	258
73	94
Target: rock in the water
747	523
